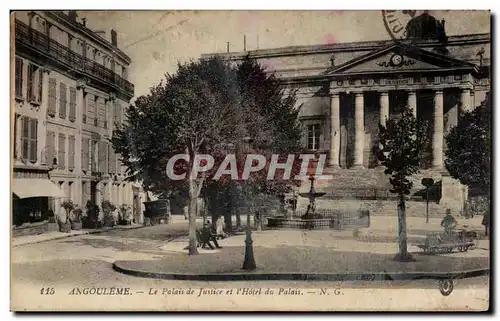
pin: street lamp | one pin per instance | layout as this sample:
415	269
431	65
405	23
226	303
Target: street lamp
427	182
249	262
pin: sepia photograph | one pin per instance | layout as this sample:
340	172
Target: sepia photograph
250	160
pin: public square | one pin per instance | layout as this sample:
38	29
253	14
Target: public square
85	261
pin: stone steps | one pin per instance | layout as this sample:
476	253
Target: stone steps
378	207
363	183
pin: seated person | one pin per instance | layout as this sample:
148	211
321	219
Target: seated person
207	236
448	223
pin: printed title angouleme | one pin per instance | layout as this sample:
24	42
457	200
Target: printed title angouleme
253	163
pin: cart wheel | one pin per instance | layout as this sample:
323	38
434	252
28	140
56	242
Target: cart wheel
445	286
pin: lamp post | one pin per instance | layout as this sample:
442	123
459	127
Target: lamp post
427	182
249	262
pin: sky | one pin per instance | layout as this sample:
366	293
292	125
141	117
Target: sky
157	40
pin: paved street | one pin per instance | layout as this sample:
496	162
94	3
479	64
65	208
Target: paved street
86	261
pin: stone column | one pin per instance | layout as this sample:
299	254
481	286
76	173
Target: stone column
412	102
384	115
384	108
438	132
335	131
359	128
465	99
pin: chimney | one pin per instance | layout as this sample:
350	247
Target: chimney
84	22
72	15
114	40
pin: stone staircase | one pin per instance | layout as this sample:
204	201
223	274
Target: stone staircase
370	189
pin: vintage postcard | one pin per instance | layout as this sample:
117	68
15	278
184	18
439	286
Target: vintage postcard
250	160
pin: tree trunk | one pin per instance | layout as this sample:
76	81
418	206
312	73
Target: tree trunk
238	218
403	254
228	219
193	198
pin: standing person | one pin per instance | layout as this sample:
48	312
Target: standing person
486	221
219	228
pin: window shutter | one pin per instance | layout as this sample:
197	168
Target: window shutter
110	154
15	136
85	154
72	104
19	77
40	85
25	138
115	113
30	82
62	100
112	161
62	151
71	152
50	148
84	109
51	108
92	157
101	156
33	139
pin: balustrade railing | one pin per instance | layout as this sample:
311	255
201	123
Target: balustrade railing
42	42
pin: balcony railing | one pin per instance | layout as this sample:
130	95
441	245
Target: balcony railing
36	39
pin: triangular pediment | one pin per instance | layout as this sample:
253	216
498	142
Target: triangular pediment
399	57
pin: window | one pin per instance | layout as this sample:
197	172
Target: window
62	100
51	108
29	139
50	148
72	104
313	136
34	84
19	78
61	153
124	73
71	152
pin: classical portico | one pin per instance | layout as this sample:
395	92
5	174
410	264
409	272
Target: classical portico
366	91
437	122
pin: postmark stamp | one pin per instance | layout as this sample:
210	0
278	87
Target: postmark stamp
396	21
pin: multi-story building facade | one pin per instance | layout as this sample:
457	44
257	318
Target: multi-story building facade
70	90
345	90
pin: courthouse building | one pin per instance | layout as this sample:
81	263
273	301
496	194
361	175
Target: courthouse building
70	86
345	90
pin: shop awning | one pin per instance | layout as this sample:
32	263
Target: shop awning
30	187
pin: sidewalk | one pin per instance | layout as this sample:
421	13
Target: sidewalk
54	235
303	256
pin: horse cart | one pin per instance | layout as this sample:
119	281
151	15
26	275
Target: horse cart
460	241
